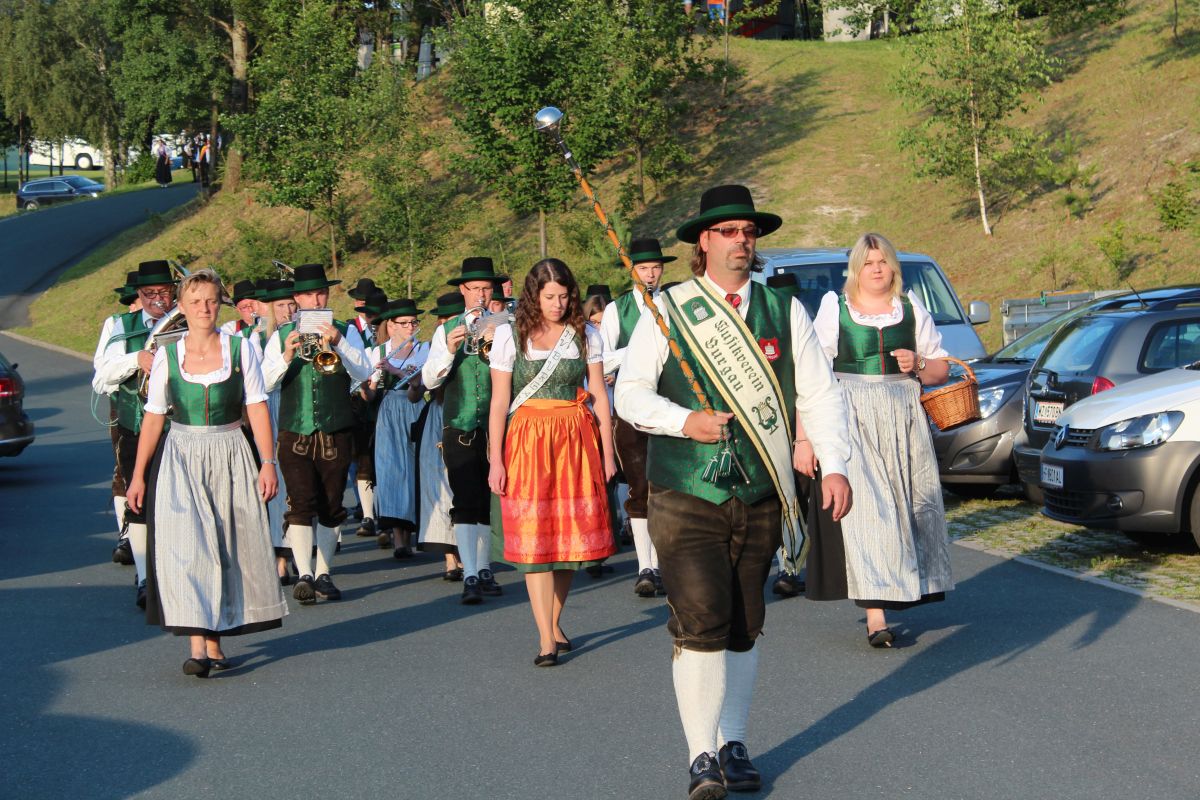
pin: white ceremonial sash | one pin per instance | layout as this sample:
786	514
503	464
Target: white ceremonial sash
539	380
728	352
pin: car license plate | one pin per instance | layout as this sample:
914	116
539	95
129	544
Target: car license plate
1052	476
1047	412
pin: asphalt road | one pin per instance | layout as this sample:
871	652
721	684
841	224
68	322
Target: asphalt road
1024	684
37	247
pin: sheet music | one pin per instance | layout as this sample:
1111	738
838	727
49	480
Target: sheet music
311	320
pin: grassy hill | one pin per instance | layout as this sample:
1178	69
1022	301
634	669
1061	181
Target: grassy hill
812	129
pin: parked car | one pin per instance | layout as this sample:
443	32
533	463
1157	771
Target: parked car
976	458
1107	347
819	270
16	429
45	191
1128	459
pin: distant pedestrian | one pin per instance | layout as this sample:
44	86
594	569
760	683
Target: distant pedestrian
205	159
162	164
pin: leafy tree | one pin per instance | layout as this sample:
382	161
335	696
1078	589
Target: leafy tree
966	77
1069	15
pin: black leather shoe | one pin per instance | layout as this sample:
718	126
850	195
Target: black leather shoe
304	591
740	774
488	585
626	532
563	647
367	528
141	596
881	638
220	663
453	575
197	666
659	588
546	660
384	539
644	585
787	585
705	780
123	553
325	589
472	595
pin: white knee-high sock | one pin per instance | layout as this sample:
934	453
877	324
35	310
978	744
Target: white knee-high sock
483	546
327	539
468	549
740	671
137	543
700	693
366	497
642	544
119	508
300	538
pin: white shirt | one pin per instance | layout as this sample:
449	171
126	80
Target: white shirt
504	349
354	332
111	363
929	341
157	400
440	360
274	366
818	395
610	330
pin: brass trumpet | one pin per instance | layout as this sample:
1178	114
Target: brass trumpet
170	328
312	347
477	341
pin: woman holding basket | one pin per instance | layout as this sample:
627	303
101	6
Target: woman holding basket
884	347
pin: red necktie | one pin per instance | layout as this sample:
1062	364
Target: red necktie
734	300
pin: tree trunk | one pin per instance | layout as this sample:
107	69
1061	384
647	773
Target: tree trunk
109	153
239	38
333	250
725	74
21	149
542	232
1175	23
983	216
214	148
641	178
308	222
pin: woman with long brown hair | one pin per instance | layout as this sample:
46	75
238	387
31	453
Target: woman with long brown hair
551	455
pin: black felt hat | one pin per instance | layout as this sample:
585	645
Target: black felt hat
477	268
152	273
647	249
128	293
310	278
277	290
375	301
785	282
245	290
498	291
404	307
726	202
599	289
362	289
449	305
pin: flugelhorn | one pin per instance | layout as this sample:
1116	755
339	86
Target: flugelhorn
477	341
284	270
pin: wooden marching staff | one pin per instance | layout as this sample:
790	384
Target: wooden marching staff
549	122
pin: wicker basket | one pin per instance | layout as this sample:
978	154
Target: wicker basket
955	404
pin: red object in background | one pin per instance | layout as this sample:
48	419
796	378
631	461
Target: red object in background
1102	384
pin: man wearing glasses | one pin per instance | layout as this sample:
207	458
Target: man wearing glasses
119	362
721	480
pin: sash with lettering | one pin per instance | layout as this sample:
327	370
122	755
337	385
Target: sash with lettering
731	358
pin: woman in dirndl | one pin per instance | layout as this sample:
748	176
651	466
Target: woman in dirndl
551	454
398	363
210	564
884	346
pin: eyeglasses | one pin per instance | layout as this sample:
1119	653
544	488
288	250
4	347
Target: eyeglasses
163	293
411	324
730	231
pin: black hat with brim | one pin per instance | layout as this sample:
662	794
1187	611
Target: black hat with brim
722	203
244	290
449	305
311	278
498	291
152	273
374	303
600	289
362	290
277	290
784	282
477	268
128	290
648	249
404	307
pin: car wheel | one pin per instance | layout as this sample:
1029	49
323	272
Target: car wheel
83	162
1033	493
972	491
31	205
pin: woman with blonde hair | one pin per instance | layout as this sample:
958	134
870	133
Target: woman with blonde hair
884	347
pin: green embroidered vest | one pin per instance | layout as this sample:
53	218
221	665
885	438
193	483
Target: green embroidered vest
468	388
678	463
865	349
563	383
628	314
310	401
195	404
130	406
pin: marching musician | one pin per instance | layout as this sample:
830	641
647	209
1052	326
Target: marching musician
122	554
360	330
246	301
468	392
120	361
316	433
721	487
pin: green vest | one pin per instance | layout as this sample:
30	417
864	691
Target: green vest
468	388
678	463
130	405
310	401
217	404
564	382
865	349
368	339
628	314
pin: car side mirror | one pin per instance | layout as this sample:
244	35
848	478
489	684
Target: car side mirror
14	366
979	312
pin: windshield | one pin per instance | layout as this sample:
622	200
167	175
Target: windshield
1079	347
1029	346
78	182
922	278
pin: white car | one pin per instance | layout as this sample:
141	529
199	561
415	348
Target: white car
1128	458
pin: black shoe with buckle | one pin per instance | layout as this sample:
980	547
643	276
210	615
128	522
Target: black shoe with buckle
787	585
305	591
488	585
367	528
644	585
325	589
123	553
740	774
472	594
705	780
141	596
